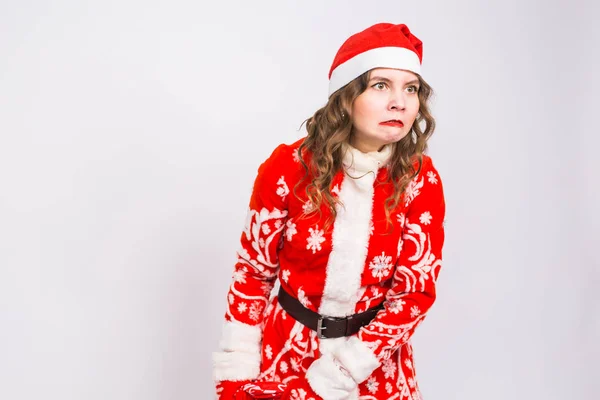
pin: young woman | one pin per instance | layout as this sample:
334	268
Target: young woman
349	220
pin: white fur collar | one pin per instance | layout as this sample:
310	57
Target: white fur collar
358	163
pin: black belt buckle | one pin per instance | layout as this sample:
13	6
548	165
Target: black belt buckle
321	328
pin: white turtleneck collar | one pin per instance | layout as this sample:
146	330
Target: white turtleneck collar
358	163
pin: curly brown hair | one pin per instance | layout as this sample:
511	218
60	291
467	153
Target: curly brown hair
331	126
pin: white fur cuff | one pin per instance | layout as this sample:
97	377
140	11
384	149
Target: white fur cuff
238	336
357	358
240	355
329	381
235	366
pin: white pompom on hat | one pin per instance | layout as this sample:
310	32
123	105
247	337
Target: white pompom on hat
382	45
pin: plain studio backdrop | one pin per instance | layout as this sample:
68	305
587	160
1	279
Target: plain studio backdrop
131	132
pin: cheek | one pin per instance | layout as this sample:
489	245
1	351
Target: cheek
362	113
414	111
367	111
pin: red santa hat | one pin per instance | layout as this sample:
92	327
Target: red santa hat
382	45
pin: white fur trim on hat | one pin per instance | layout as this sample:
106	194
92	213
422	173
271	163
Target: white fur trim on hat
357	358
328	380
380	57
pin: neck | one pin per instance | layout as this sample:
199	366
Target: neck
364	146
362	162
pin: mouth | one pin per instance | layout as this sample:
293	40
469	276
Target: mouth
393	122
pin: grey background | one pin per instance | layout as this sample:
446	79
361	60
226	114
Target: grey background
130	134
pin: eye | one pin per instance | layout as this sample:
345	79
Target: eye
380	85
413	89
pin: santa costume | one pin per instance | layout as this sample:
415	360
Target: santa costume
360	269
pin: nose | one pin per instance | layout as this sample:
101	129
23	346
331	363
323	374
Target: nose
397	101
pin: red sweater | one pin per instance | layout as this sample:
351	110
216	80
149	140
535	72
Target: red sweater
358	263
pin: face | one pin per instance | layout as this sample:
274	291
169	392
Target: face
386	110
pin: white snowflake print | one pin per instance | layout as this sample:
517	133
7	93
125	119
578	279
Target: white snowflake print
425	218
371	228
302	298
411	382
372	385
283	367
231	298
261	242
243	253
283	189
308	207
255	311
416	395
269	352
295	364
408	364
242	307
295	155
285	275
239	276
315	239
265	229
336	190
266	288
401	380
277	224
414	311
381	266
401	219
389	368
290	230
431	177
298	394
396	306
389	388
413	190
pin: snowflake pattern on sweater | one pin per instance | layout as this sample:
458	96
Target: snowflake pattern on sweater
358	263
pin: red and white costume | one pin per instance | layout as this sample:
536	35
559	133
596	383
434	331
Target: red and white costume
357	264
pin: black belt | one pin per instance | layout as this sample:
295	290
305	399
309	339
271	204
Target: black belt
326	327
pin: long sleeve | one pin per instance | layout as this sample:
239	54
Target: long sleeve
413	289
255	272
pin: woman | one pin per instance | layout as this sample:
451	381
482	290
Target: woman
349	220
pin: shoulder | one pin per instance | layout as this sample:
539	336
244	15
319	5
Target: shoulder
425	190
281	169
284	158
429	171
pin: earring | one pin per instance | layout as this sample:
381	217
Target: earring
414	136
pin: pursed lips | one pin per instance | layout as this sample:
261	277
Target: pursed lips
393	122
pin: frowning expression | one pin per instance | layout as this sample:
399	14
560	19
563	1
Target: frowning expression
386	110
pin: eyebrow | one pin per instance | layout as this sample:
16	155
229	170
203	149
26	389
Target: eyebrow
383	79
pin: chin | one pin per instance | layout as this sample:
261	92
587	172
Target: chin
397	138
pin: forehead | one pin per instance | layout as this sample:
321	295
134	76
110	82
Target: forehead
393	74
